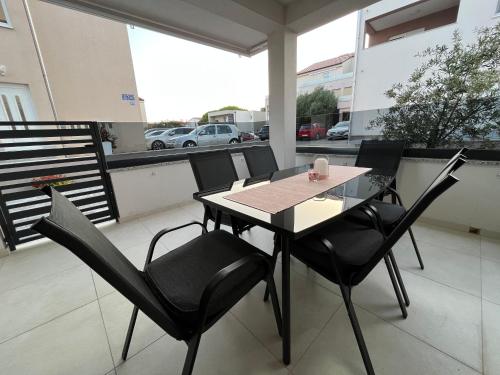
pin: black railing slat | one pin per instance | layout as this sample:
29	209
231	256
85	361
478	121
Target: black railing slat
48	172
29	154
37	192
42	133
34	220
67	179
45	209
44	199
46	150
43	142
44	162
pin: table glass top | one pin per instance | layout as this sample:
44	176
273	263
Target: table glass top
304	216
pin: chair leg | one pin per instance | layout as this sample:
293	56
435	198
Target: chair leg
416	248
400	279
276	251
193	345
128	338
395	286
205	218
346	294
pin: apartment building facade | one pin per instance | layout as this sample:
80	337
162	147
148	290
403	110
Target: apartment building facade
392	32
60	64
333	74
246	121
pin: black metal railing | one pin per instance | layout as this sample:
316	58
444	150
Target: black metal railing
66	155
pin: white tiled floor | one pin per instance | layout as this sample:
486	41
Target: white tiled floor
59	317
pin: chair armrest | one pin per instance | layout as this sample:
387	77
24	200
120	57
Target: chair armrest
374	216
219	278
398	197
161	233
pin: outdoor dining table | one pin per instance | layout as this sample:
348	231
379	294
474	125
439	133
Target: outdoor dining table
297	221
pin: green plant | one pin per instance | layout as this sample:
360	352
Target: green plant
107	136
451	97
318	102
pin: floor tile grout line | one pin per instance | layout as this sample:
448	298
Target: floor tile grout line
497	303
417	338
255	337
103	322
439	282
296	362
129	357
401	329
35	281
47	322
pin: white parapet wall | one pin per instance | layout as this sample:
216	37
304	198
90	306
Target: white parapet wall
473	202
142	190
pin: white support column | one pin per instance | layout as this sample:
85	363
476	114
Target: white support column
282	60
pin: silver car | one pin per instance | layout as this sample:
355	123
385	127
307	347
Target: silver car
207	135
157	139
339	131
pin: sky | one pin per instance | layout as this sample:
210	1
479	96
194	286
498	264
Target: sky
179	79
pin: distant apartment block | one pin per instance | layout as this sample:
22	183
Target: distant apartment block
246	121
56	61
392	32
333	74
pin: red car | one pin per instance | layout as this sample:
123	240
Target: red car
312	131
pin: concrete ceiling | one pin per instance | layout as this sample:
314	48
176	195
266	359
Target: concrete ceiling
410	12
240	26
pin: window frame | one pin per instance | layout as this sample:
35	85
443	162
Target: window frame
8	23
226	127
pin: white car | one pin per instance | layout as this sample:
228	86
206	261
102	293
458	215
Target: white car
207	135
158	139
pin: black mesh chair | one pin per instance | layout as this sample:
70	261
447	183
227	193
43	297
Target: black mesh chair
346	252
382	156
215	170
185	291
261	165
391	213
260	161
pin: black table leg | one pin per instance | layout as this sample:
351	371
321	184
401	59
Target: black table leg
285	296
218	217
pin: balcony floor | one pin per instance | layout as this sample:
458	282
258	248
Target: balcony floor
59	317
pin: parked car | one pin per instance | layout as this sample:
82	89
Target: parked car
248	137
207	135
263	133
146	132
157	139
312	131
339	131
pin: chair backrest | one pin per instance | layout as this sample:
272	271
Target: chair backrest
260	160
213	169
382	156
451	166
438	187
67	226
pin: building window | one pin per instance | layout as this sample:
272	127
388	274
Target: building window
4	17
347	90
